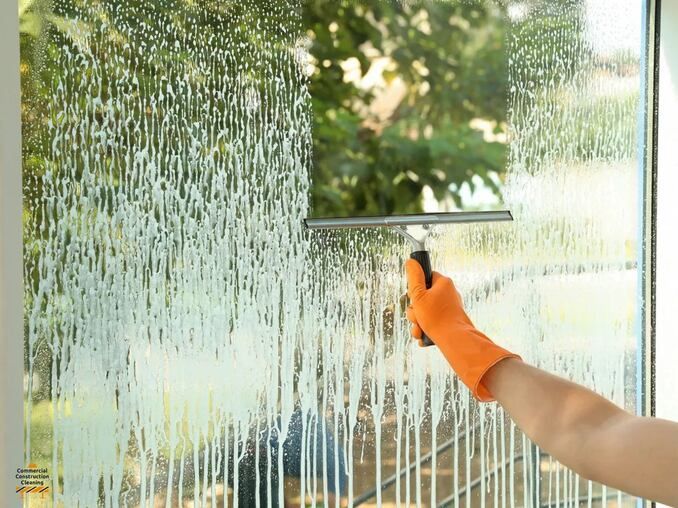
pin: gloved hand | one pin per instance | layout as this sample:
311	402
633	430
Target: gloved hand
439	312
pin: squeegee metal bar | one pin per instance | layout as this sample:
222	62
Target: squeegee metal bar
407	220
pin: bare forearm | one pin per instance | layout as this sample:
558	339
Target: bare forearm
588	433
553	412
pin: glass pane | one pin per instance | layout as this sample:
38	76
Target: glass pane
188	343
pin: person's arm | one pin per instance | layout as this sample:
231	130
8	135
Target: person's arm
581	429
589	434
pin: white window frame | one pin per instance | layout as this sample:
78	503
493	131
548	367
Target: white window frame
11	257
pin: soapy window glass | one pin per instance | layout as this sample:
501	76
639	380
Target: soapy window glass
188	343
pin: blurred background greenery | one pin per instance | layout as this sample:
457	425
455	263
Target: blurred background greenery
404	96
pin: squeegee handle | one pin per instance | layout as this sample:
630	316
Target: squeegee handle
422	257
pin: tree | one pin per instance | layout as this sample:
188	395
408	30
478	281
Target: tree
449	57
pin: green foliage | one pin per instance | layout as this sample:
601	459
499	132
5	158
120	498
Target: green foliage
449	58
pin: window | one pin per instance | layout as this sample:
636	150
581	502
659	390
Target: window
188	342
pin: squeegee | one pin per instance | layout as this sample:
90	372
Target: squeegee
413	227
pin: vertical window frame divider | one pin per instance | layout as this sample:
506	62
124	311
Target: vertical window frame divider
648	208
648	173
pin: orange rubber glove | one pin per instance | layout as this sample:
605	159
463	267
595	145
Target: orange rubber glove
440	313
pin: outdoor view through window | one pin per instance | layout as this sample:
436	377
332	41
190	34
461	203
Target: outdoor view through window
189	344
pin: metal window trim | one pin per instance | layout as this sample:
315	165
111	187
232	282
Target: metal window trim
648	220
660	210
